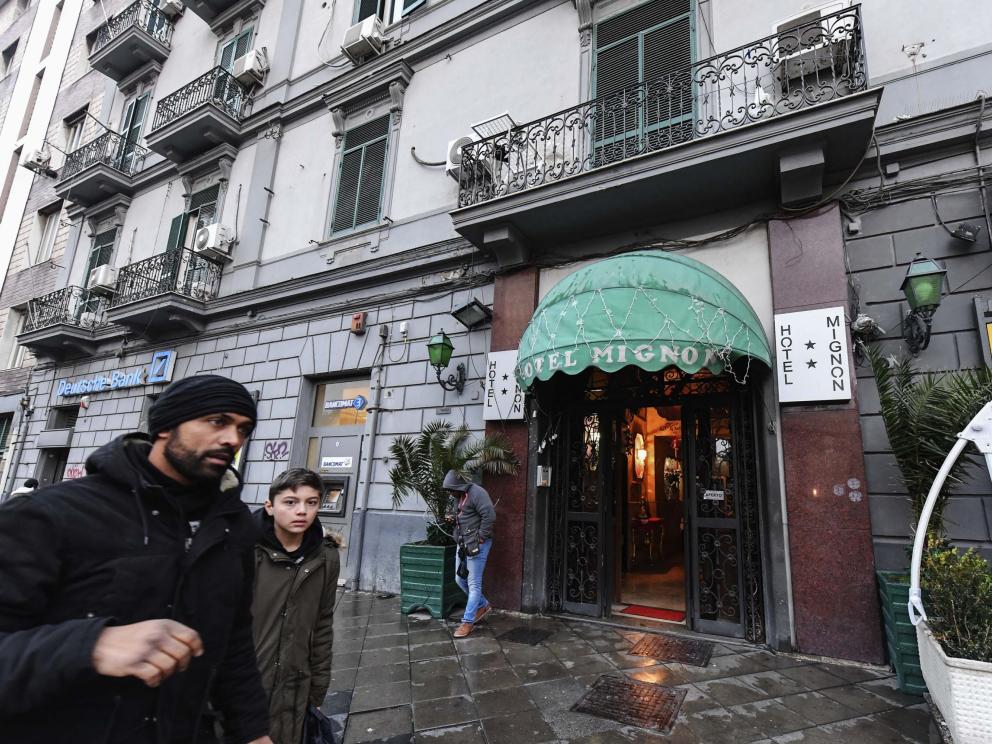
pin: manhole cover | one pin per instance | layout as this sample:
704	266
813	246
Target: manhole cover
530	636
634	703
672	648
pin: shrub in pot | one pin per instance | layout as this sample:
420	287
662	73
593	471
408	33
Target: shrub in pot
923	414
427	567
955	642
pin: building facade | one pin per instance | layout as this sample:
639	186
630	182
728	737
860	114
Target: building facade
664	214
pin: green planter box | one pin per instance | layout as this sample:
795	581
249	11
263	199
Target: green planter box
427	579
900	635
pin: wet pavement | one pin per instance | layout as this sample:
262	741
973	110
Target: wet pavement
399	679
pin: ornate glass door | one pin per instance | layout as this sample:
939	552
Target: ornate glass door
712	487
579	550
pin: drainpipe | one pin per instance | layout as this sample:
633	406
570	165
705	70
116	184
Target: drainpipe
358	517
22	429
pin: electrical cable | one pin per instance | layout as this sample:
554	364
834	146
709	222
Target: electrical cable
429	163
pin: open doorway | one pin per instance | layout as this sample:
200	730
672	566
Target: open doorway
652	580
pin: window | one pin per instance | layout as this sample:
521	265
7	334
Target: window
11	352
52	28
8	180
6	422
29	111
202	211
73	129
236	47
342	403
46	227
7	62
382	8
360	176
131	123
63	417
650	44
101	252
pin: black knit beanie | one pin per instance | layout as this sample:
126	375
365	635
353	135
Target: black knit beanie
197	396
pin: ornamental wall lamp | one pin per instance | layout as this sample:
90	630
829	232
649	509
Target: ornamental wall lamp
439	350
922	286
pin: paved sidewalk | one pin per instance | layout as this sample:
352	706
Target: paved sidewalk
399	679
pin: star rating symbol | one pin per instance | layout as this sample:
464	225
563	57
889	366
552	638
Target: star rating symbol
810	345
503	391
811	364
505	378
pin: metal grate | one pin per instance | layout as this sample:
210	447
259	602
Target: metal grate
671	648
529	636
634	703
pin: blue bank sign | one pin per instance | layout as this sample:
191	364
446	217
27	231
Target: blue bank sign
159	370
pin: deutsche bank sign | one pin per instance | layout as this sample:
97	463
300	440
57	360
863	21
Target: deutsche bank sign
158	370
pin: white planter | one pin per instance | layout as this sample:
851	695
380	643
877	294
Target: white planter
961	690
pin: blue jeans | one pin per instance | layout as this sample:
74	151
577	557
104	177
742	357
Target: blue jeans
473	585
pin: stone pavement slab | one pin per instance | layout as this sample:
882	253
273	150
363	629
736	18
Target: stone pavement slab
402	679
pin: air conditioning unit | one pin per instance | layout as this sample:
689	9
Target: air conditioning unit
363	39
172	8
102	279
250	68
214	241
38	161
453	163
806	42
89	320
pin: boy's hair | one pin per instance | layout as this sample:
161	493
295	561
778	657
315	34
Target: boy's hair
293	479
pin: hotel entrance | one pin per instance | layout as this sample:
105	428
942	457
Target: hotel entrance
642	368
653	513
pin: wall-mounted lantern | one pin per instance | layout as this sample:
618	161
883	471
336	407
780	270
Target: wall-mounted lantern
922	286
472	314
439	350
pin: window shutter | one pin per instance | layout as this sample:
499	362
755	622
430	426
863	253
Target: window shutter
359	195
5	422
370	187
176	231
243	43
227	55
668	61
617	68
344	208
639	19
206	196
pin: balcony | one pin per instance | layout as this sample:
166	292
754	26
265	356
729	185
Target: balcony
722	131
100	169
200	115
166	294
139	34
62	323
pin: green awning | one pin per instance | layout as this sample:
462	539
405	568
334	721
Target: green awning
651	309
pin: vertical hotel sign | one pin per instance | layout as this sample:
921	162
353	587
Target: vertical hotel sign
504	399
812	356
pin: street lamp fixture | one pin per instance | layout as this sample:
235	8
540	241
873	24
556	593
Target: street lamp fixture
922	286
439	350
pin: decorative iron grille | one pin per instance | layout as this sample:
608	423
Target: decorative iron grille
142	15
789	71
108	149
181	272
217	87
74	306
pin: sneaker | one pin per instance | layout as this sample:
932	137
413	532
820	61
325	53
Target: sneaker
481	612
463	630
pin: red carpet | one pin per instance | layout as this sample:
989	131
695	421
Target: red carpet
656	613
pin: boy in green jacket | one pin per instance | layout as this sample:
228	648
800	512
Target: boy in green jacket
296	579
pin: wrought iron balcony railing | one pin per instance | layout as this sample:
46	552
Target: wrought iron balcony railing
218	87
109	149
181	272
141	14
74	306
789	71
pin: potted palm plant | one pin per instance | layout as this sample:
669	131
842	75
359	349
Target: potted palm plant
922	414
427	570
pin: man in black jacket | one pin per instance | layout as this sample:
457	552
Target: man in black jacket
125	596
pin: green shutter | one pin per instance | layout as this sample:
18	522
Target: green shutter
639	19
176	231
243	43
227	55
360	180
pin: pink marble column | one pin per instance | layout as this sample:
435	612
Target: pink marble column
833	569
514	301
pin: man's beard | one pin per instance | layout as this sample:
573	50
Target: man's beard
193	465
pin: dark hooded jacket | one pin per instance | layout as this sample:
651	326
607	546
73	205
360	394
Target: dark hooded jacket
293	613
114	548
477	516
